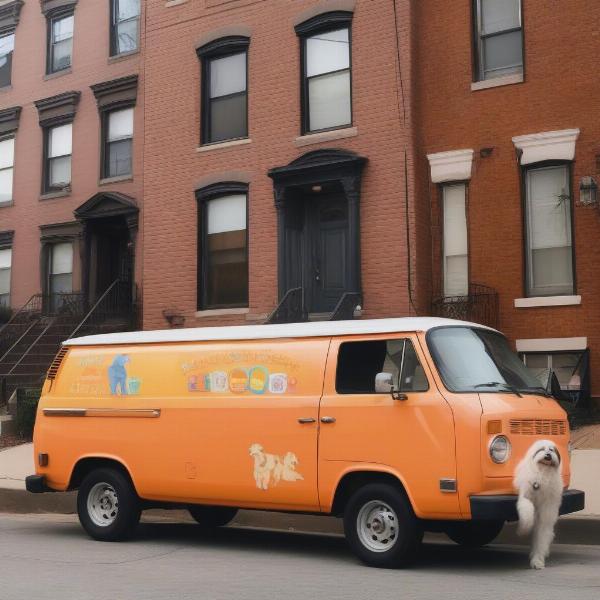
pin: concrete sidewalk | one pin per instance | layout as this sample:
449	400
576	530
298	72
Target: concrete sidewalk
16	463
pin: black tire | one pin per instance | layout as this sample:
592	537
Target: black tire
404	538
210	517
474	534
118	493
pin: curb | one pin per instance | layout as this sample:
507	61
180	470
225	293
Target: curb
577	530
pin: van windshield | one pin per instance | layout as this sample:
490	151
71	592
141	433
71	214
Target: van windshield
479	360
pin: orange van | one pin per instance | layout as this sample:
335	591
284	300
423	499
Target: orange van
397	425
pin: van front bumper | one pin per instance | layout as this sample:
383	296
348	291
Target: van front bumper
486	508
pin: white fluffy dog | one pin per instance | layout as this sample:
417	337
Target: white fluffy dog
538	480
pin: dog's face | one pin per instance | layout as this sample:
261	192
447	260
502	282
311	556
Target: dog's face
545	453
255	449
290	459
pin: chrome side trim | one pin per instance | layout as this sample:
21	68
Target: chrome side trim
139	413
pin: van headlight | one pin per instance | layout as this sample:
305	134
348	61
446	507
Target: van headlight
500	449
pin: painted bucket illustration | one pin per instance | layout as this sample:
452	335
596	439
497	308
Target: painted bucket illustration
133	385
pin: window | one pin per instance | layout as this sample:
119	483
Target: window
499	35
7	46
224	89
118	145
5	266
456	267
60	272
360	362
7	160
223	277
326	72
125	26
60	42
58	157
568	367
549	252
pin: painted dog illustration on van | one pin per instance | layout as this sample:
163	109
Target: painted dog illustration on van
272	468
117	375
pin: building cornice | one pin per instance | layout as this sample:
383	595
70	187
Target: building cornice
50	7
9	120
548	145
455	165
58	109
117	93
9	16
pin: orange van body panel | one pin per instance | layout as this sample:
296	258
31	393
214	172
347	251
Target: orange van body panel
238	423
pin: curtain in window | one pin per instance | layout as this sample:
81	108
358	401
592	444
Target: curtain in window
550	252
60	140
7	159
456	268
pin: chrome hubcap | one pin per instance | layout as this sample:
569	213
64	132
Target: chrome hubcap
377	526
103	504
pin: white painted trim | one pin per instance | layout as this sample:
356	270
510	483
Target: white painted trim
455	165
221	312
170	3
497	82
222	145
325	136
547	301
552	344
266	332
548	145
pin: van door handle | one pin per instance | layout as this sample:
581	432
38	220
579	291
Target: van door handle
304	420
327	419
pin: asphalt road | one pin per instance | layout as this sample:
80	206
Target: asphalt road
48	557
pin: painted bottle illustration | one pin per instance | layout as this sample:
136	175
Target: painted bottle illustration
258	379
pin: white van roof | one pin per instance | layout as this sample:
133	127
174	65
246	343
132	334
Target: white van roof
264	332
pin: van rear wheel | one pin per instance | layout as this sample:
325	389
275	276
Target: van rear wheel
107	505
474	534
381	527
210	517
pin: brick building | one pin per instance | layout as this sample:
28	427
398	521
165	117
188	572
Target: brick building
513	140
71	127
411	157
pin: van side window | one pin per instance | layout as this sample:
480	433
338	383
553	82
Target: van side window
360	362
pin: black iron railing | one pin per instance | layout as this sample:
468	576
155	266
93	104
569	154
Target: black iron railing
480	305
346	307
290	309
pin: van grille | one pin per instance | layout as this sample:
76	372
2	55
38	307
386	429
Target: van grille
53	370
538	427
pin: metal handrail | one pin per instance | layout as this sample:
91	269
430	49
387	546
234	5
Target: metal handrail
92	310
290	309
33	344
21	310
33	324
347	304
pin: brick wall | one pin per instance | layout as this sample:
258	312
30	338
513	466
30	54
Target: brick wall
559	92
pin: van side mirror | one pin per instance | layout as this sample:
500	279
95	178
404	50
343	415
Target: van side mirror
384	384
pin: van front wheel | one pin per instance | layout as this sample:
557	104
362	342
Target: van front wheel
212	516
107	505
381	527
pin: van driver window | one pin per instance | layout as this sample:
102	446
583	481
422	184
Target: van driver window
360	362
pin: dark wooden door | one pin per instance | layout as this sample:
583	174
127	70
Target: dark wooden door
327	271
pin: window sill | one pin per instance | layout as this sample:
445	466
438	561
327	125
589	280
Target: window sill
326	136
221	312
60	194
6	203
6	88
58	74
497	82
122	56
119	179
170	3
540	301
222	145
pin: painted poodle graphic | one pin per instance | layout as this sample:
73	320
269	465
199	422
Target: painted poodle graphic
271	468
117	375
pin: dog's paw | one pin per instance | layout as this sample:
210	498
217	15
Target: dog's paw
538	562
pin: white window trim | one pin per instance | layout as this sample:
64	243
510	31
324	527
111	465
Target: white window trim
552	344
485	84
548	145
538	301
455	165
